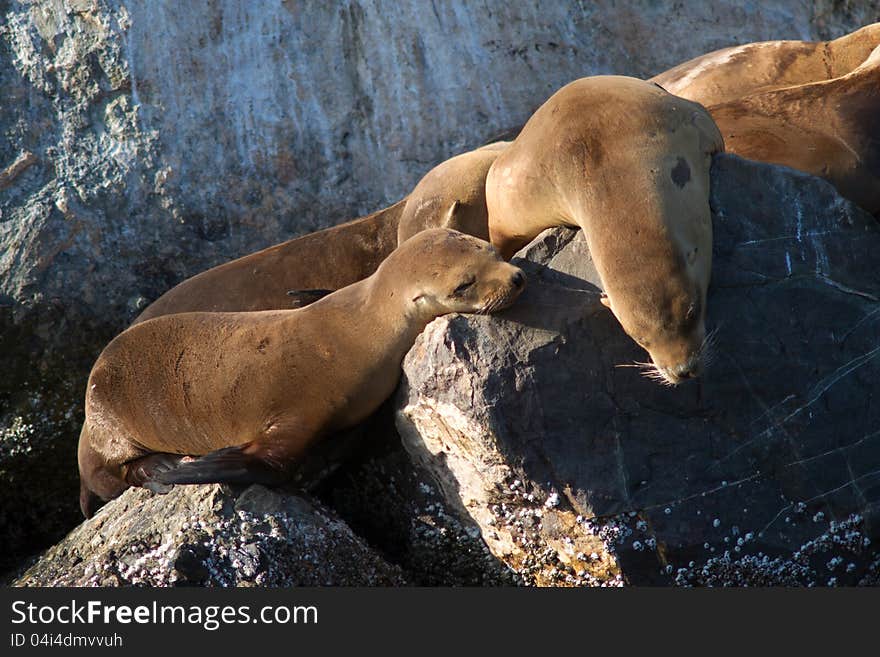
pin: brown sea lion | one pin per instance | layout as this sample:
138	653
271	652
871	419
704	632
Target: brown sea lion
812	106
324	260
731	73
452	194
471	219
249	392
629	164
829	129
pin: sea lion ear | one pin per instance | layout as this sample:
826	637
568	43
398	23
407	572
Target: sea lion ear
449	218
605	300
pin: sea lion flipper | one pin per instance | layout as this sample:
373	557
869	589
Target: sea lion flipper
230	465
449	217
142	471
300	298
156	487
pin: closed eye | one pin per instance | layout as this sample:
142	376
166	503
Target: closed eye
461	289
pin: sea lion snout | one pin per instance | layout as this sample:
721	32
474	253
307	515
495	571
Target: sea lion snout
502	289
680	360
689	369
451	272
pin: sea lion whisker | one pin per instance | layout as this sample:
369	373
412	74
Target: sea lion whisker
495	302
654	373
637	364
488	307
708	349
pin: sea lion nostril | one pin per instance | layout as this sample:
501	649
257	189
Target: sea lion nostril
688	371
518	279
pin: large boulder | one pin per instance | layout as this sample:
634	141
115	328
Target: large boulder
211	536
764	471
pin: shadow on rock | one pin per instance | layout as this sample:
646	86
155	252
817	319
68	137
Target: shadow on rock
764	471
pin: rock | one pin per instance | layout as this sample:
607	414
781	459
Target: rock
398	509
144	142
765	471
211	536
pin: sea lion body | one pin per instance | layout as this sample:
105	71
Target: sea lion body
452	195
829	129
811	106
629	164
325	260
250	392
731	73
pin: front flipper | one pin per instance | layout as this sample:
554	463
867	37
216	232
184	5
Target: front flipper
301	298
230	465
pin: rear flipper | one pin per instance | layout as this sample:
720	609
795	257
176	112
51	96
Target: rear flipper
230	465
300	298
143	471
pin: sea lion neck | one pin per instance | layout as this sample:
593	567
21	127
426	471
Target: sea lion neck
390	304
380	304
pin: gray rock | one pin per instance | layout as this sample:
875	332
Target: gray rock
144	142
766	470
398	509
211	536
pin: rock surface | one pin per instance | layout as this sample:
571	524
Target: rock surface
766	470
211	536
147	141
144	142
398	509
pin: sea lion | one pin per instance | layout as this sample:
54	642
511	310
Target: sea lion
731	73
452	195
629	164
829	129
296	272
812	106
324	260
249	392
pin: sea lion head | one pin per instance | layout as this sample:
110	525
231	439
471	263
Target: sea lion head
453	272
666	315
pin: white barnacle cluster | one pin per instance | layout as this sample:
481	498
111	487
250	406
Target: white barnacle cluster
276	548
17	438
836	556
552	545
